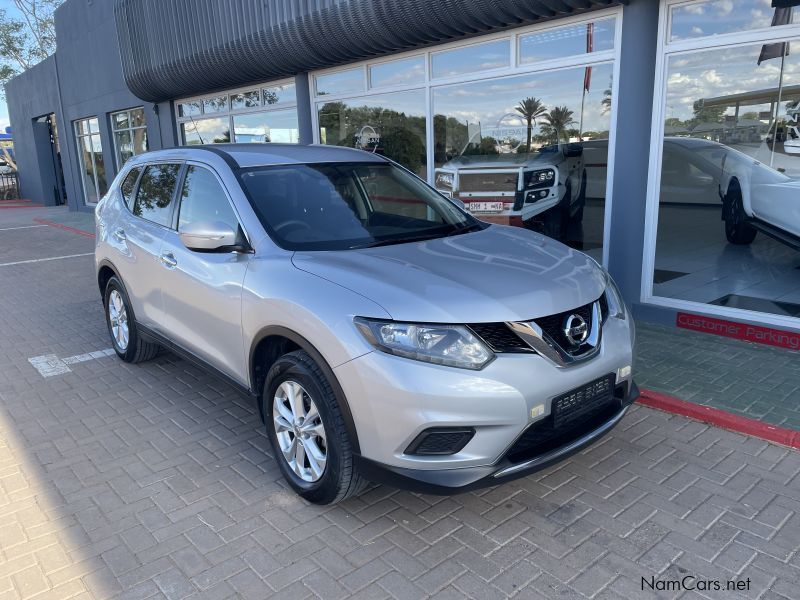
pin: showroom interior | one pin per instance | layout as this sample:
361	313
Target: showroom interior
662	138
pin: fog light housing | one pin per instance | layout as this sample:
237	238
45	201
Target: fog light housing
439	441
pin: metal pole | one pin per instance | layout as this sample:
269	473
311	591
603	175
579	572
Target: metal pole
778	106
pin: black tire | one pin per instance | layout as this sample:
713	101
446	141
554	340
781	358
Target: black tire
340	478
556	219
137	349
737	229
578	216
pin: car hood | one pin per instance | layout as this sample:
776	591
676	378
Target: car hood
498	274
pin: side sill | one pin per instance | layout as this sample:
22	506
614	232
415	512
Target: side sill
156	337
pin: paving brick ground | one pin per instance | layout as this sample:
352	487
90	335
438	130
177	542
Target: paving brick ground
752	380
121	481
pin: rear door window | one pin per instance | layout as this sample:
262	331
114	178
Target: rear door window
155	197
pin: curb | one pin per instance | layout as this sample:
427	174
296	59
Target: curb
63	227
721	418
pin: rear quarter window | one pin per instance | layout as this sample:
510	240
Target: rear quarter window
129	185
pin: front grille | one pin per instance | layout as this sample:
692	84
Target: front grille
487	182
499	337
553	326
575	419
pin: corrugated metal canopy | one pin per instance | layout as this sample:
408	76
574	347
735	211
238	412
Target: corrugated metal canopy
174	48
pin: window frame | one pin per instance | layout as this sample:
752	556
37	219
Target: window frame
135	190
78	139
130	129
228	198
665	50
515	68
178	183
230	112
665	19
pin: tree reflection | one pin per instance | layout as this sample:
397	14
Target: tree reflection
156	189
557	122
531	109
385	131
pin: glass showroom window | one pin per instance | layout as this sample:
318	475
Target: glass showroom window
130	134
92	160
258	114
725	216
389	124
515	126
537	132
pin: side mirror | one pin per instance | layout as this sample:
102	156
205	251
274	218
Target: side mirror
573	150
208	236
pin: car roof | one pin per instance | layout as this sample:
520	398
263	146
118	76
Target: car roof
256	155
690	142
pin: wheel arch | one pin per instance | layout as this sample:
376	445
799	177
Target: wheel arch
105	271
732	184
270	344
741	179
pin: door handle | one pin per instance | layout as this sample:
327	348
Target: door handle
119	235
168	260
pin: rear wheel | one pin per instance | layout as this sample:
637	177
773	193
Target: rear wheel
307	431
737	229
127	342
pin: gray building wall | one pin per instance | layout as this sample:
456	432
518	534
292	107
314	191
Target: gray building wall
30	95
84	79
632	152
90	73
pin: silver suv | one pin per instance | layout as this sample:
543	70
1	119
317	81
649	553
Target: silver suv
386	334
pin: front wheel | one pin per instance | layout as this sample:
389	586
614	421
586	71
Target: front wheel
556	219
307	431
127	342
581	202
737	229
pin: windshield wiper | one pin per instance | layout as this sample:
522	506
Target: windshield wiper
466	229
419	238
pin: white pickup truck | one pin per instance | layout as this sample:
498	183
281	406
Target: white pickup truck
755	197
544	188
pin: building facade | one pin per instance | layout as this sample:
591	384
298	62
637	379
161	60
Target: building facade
659	136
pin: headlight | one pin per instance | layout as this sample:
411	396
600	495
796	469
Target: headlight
616	307
450	345
444	180
542	178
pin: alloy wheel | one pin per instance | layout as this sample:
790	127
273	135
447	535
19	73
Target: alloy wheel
300	432
118	317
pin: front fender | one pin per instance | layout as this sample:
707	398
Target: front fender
276	294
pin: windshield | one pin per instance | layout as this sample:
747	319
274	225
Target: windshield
339	206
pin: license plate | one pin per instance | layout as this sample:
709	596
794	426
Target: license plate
582	401
485	207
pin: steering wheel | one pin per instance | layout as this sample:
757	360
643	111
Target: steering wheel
292	223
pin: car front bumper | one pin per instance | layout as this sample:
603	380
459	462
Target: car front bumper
450	481
393	400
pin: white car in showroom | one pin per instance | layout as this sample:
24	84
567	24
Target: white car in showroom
754	196
546	187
